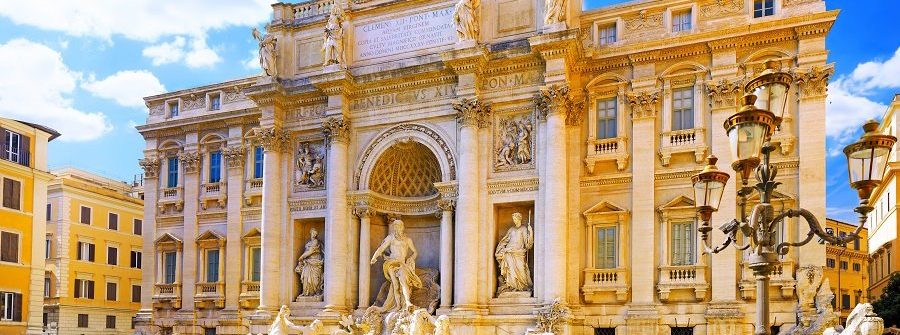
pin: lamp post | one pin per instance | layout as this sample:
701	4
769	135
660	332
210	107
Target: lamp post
749	131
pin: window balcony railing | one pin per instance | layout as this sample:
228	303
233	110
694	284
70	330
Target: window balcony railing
212	294
249	294
691	278
680	141
599	282
295	13
607	149
252	188
169	294
171	197
213	192
782	280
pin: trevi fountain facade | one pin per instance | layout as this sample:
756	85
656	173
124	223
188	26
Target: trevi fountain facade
478	167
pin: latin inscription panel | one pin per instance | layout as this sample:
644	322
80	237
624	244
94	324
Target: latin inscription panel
404	34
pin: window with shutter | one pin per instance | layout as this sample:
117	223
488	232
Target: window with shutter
9	247
110	322
85	215
82	320
215	166
90	289
112	256
605	257
10	306
169	267
113	220
112	291
135	293
138	227
257	162
12	190
212	266
172	176
682	244
79	289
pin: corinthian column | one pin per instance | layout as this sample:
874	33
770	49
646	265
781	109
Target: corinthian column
190	164
151	267
644	109
469	113
272	139
554	104
337	134
235	156
446	212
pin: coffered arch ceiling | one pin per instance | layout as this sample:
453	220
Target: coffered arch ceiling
406	169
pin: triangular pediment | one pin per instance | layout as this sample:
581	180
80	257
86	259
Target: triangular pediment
252	234
167	238
680	202
210	235
605	207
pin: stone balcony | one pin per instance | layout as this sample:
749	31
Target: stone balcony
252	189
683	279
600	284
304	11
782	280
209	295
171	198
249	294
167	294
213	192
683	141
607	149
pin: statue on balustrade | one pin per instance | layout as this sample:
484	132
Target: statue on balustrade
399	268
465	15
333	36
267	52
555	11
310	267
512	257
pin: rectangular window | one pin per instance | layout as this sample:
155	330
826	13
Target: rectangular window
112	255
85	251
16	148
606	34
845	301
257	162
172	177
843	265
857	267
169	264
856	244
763	8
606	118
110	322
46	287
173	109
683	243
209	331
84	288
9	247
135	293
681	21
113	221
829	262
10	306
605	247
135	259
215	102
212	265
112	291
85	215
138	227
47	245
683	108
605	331
255	254
682	331
49	211
12	193
215	166
82	320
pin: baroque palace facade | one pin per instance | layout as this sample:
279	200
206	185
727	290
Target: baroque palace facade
452	117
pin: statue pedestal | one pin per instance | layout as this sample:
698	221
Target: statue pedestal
518	294
331	68
513	303
555	27
309	299
465	44
265	80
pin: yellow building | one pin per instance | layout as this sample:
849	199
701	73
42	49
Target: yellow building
23	185
846	267
882	222
93	274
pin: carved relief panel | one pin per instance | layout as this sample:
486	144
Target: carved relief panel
513	141
309	165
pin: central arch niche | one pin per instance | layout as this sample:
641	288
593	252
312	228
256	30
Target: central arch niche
405	172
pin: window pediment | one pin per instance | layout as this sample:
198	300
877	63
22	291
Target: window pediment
210	239
168	241
605	212
252	237
681	207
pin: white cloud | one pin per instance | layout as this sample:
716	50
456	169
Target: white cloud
876	74
144	20
126	88
252	61
35	86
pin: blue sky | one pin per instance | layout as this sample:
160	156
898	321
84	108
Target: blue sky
82	67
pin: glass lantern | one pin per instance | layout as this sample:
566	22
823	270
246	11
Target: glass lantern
709	185
867	159
748	130
771	89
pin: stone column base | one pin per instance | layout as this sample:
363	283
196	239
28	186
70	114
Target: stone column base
642	320
186	323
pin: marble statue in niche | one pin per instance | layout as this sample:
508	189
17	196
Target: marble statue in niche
399	268
333	36
267	52
511	255
465	15
310	172
514	142
310	267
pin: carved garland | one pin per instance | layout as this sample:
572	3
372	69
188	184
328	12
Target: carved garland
408	127
721	8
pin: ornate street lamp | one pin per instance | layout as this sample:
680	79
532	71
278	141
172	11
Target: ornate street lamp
749	131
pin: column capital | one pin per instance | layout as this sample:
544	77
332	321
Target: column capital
471	112
575	112
150	166
364	211
190	161
813	83
336	129
644	104
234	156
724	93
560	99
271	138
446	205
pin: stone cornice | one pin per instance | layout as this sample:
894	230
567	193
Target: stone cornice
512	186
606	180
402	84
339	82
468	60
217	120
267	92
